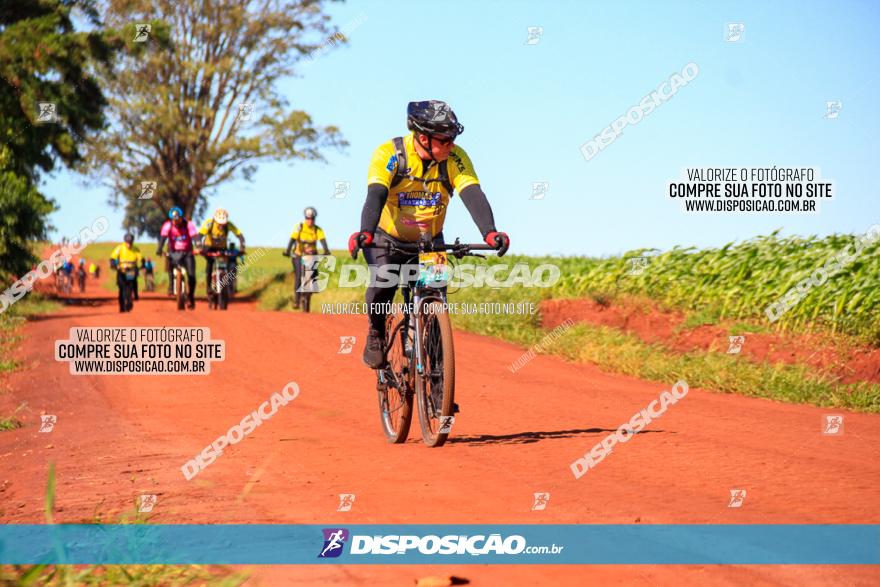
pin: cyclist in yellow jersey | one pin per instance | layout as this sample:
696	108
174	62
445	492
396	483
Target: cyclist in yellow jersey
215	236
410	183
304	241
125	255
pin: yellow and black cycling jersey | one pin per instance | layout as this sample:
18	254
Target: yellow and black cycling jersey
126	255
417	204
216	234
307	238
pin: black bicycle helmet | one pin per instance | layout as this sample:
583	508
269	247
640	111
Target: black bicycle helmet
129	238
433	118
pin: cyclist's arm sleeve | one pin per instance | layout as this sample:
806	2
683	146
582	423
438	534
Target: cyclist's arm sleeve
236	231
324	244
477	204
382	168
161	245
377	194
290	244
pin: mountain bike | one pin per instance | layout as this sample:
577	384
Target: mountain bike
179	277
420	357
129	275
221	276
81	279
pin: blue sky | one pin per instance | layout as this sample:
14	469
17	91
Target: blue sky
527	110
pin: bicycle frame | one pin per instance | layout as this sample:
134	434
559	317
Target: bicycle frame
420	297
423	294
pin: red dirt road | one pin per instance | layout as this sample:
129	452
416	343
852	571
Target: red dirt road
118	437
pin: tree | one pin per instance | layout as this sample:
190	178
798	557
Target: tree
23	212
43	61
179	109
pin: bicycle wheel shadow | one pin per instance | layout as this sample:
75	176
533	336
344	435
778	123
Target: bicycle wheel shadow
531	437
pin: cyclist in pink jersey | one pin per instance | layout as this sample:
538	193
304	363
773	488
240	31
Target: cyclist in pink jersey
179	233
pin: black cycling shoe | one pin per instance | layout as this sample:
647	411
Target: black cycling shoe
374	354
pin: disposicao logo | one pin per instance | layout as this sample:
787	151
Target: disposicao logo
334	540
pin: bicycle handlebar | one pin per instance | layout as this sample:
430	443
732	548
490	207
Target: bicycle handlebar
457	248
222	253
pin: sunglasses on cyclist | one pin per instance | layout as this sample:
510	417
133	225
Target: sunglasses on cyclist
443	141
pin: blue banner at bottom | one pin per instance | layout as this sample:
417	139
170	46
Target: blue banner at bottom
439	544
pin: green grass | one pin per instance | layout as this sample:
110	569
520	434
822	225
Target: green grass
702	317
11	422
12	319
620	352
111	575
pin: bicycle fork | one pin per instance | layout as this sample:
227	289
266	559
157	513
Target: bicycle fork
417	338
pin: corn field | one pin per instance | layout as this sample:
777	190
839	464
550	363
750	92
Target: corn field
739	281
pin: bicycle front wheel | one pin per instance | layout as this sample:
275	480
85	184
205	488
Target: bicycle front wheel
180	289
435	384
396	391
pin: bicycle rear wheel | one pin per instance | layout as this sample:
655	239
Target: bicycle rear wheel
435	386
396	392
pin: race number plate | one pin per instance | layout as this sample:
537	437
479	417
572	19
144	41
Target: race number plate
434	269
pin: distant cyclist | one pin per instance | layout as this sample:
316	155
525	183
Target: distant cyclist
304	241
233	271
81	275
67	276
125	254
179	232
410	182
67	268
149	278
215	237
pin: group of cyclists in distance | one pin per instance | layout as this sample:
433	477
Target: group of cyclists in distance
180	241
411	180
183	241
67	273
